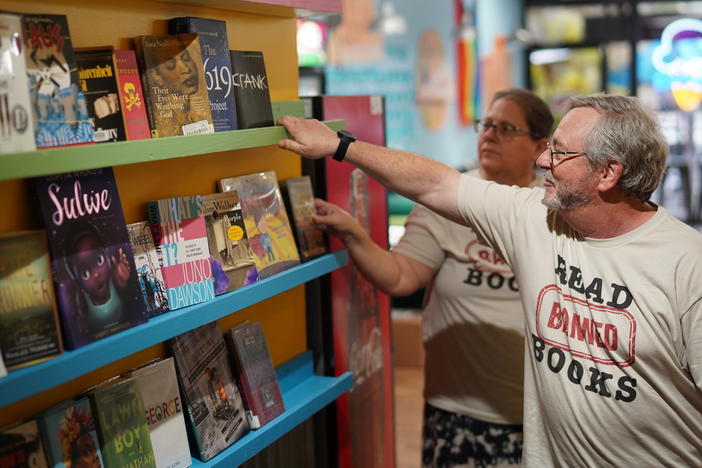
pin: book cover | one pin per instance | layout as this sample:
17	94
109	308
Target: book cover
178	228
251	94
121	426
21	446
16	122
266	221
217	67
215	408
148	262
69	434
310	239
255	373
29	326
3	369
163	408
95	278
131	96
174	85
233	264
96	72
59	109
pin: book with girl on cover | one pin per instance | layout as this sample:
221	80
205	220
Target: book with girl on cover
310	238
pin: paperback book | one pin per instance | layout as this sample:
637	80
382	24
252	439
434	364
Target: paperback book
215	408
148	262
266	221
310	239
29	325
21	446
131	96
95	277
251	93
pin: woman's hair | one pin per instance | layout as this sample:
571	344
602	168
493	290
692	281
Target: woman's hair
537	113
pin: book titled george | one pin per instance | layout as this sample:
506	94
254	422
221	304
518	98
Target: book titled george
96	71
255	373
251	94
174	85
163	407
131	96
215	408
178	228
95	278
21	446
148	262
29	325
310	238
16	122
216	66
59	109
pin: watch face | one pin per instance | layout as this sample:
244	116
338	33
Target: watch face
345	133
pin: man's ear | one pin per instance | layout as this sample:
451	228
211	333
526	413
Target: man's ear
610	174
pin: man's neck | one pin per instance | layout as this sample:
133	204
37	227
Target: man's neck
606	220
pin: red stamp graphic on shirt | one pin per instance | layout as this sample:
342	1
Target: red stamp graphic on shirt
486	259
596	332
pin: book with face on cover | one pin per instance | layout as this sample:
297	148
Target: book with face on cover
251	92
148	261
131	96
21	446
310	239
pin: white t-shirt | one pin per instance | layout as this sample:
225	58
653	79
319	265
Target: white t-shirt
614	332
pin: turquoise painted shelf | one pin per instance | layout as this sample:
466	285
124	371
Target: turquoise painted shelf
303	393
26	382
76	158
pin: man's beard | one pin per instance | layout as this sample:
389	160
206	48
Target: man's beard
567	196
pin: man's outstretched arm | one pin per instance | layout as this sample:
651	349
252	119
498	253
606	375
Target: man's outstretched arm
421	179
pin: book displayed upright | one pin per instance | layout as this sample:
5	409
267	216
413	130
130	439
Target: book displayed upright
16	122
174	85
29	325
95	277
3	369
59	110
310	239
215	408
21	446
148	262
98	82
217	66
131	96
251	93
255	373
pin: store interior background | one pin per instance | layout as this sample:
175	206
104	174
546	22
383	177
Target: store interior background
437	63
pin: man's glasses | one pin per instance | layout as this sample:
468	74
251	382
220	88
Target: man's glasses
502	130
559	157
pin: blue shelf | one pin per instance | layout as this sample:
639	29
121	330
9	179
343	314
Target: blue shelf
22	383
303	393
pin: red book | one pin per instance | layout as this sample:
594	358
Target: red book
131	97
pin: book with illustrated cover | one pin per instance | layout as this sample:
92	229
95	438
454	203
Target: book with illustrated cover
95	278
21	446
60	111
233	264
174	85
163	408
217	66
255	373
69	434
179	231
29	325
310	238
266	221
16	122
131	96
251	93
121	425
215	407
98	82
148	261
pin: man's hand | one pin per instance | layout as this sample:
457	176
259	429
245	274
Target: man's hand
309	138
336	221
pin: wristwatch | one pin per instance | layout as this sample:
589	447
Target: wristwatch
345	139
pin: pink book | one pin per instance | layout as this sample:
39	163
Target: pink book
131	97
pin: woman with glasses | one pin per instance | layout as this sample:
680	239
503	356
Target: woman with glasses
472	319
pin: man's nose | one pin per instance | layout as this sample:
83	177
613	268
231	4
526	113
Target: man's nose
544	159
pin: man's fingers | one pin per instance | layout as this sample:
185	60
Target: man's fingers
290	145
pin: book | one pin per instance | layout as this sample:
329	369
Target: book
310	239
148	262
178	229
217	66
215	408
233	264
96	72
69	434
255	373
251	94
16	122
3	369
29	325
266	221
131	96
93	267
174	85
59	108
158	386
121	425
21	446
